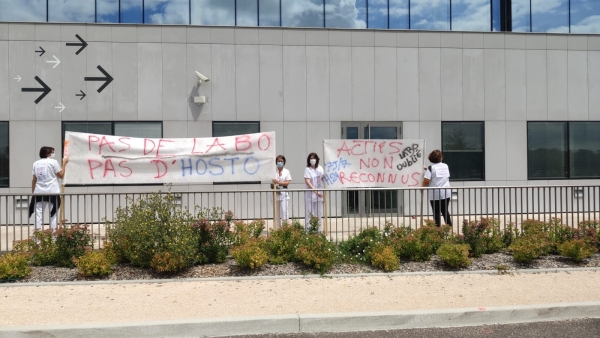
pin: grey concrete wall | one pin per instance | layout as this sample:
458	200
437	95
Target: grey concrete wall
300	83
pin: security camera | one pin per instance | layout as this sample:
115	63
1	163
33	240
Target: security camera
201	78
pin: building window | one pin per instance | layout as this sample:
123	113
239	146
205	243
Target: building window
223	129
463	145
559	150
4	174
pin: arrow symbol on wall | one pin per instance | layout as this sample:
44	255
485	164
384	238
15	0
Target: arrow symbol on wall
82	95
18	78
56	61
81	44
42	51
45	90
107	78
61	107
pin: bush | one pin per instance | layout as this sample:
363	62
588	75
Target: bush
316	252
455	255
244	232
153	224
510	233
94	264
357	248
281	245
43	248
71	243
384	257
412	248
167	262
529	247
14	266
250	255
214	239
483	236
577	249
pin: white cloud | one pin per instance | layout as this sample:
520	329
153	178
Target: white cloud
24	10
591	24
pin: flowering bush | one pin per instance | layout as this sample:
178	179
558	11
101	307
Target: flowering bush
316	252
153	224
455	255
281	245
71	243
483	236
251	254
214	239
43	248
14	266
384	257
356	249
577	249
93	264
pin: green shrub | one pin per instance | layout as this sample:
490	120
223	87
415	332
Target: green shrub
71	243
153	224
483	236
251	254
455	255
244	232
577	249
510	233
94	264
356	248
43	248
281	245
433	235
529	247
412	248
14	266
394	235
316	252
588	231
168	261
384	257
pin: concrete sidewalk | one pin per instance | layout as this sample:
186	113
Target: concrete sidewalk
227	306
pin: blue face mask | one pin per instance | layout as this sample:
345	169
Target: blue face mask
280	164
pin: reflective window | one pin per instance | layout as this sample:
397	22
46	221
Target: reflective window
268	13
23	10
399	14
463	150
546	150
585	16
247	12
234	128
132	11
213	12
430	14
378	14
550	16
166	11
302	13
71	10
471	15
584	153
345	14
496	18
521	16
138	129
107	11
4	166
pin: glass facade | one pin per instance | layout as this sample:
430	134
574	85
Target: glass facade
4	164
464	151
556	16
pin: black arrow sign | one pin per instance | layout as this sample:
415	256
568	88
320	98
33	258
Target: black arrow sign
45	90
82	95
106	78
81	44
42	51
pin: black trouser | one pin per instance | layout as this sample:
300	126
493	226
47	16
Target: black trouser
441	206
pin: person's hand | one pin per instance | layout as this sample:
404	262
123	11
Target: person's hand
274	181
65	160
319	194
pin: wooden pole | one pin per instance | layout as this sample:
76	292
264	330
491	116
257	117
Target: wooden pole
325	214
275	208
422	199
61	211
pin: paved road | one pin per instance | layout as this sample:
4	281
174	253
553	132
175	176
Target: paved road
577	328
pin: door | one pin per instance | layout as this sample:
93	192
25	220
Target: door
365	203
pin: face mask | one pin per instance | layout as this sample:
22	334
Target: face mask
52	155
313	161
280	164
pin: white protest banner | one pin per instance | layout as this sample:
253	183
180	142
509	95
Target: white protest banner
105	159
373	163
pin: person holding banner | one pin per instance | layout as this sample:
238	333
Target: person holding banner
314	177
438	175
282	180
46	172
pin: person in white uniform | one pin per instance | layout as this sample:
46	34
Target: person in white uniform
282	180
46	173
313	199
438	175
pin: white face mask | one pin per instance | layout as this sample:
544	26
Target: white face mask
313	161
52	155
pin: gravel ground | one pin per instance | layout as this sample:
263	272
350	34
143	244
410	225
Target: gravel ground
230	269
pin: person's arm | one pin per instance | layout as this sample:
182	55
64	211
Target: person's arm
61	173
33	183
425	179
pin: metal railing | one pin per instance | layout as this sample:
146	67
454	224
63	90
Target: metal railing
345	212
